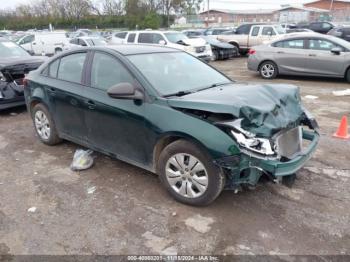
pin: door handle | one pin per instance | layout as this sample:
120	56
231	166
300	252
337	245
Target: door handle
312	55
91	105
280	52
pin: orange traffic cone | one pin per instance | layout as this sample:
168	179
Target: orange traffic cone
343	129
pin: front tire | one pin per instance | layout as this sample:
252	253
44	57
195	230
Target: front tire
347	75
44	125
268	70
189	174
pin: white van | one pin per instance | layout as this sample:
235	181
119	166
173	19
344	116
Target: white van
197	47
47	43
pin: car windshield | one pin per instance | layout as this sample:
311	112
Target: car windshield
175	72
10	49
175	37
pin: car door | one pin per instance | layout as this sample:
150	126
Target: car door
254	35
321	60
290	56
267	34
65	91
114	125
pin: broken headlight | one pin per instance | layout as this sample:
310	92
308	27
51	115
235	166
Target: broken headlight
256	144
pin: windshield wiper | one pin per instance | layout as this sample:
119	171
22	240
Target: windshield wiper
214	85
180	93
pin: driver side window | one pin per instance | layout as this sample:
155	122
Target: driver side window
320	44
107	71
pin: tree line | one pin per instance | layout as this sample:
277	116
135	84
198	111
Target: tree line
71	14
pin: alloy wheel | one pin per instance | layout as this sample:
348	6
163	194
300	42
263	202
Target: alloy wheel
42	124
186	175
267	70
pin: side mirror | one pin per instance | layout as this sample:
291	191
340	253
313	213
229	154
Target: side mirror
336	50
31	52
125	91
162	42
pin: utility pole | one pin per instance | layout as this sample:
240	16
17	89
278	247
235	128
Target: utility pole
208	13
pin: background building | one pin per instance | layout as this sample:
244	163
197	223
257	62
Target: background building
339	9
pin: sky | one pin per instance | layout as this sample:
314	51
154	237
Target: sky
218	4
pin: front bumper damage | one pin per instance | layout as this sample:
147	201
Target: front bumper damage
246	169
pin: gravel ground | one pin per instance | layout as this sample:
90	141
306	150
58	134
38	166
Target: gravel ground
116	208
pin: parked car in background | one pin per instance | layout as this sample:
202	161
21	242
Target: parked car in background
221	50
195	46
216	31
305	54
118	38
245	29
44	43
170	113
15	62
321	27
341	32
297	30
258	34
87	41
193	33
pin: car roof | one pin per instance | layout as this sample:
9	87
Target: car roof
88	37
131	49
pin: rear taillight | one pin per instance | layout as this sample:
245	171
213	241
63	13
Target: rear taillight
25	82
251	52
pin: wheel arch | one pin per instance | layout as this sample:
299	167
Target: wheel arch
170	138
347	68
267	60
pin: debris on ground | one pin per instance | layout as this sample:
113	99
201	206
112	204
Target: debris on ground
13	114
174	214
32	209
345	92
311	97
91	190
82	160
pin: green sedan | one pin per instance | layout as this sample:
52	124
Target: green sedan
168	112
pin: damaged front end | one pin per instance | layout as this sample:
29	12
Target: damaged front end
277	158
272	134
11	84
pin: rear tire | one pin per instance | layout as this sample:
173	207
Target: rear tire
189	174
44	125
268	70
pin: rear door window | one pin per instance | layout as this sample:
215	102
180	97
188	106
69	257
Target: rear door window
321	44
295	43
107	71
131	38
268	30
150	38
71	67
255	31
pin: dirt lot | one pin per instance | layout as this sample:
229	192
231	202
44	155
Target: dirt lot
115	208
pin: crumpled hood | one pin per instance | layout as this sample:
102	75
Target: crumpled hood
196	42
265	109
21	65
